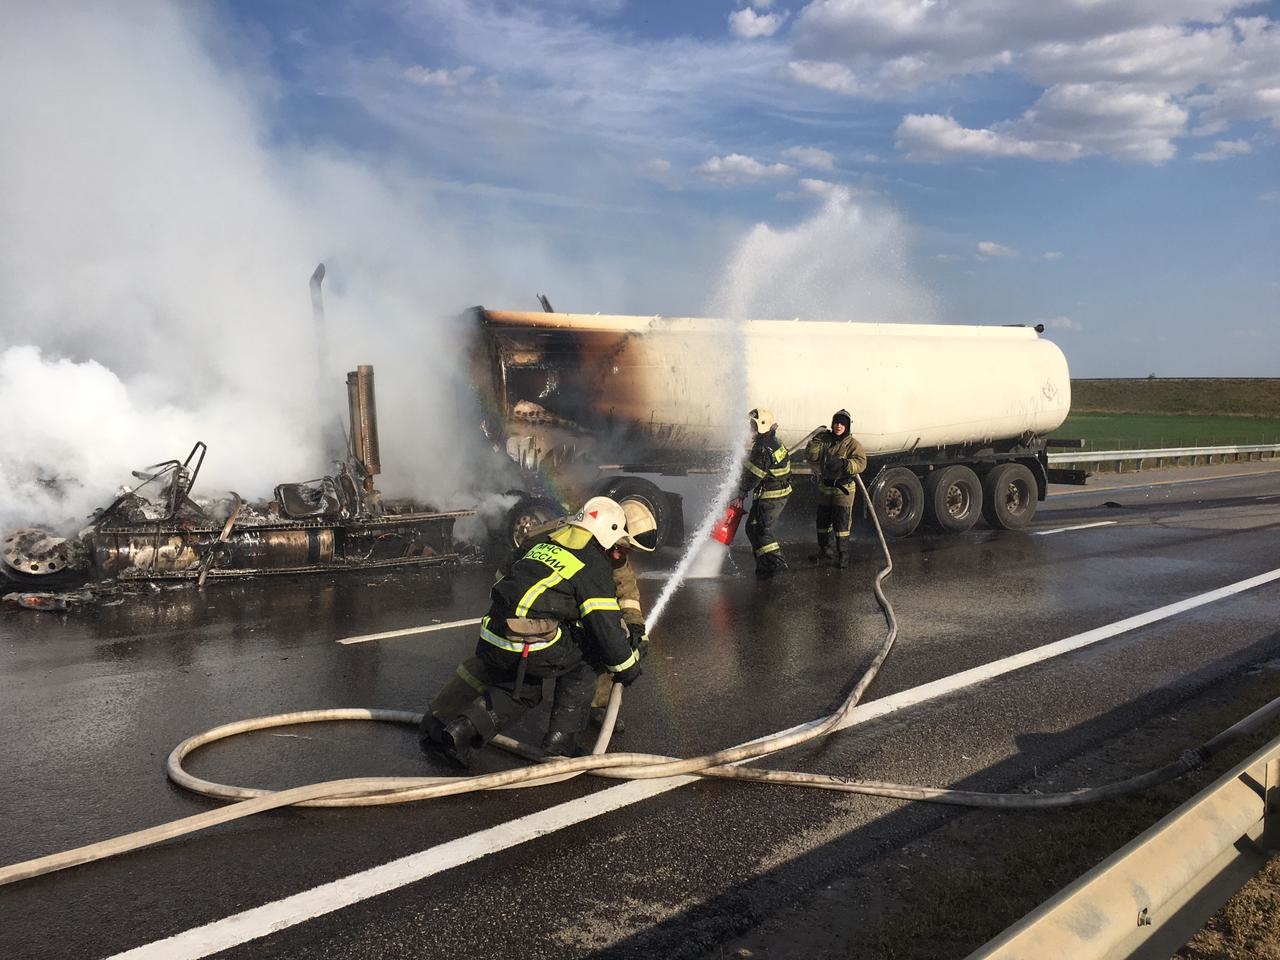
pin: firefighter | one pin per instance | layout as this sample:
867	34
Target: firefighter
767	477
472	676
557	601
837	458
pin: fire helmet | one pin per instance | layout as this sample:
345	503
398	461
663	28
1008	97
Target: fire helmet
762	420
841	416
603	519
642	528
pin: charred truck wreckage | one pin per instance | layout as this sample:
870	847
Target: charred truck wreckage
954	419
155	530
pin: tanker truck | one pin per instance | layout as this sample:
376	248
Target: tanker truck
954	419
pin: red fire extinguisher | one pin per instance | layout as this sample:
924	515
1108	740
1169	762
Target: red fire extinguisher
726	527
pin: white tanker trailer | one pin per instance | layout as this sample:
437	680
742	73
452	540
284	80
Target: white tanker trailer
953	418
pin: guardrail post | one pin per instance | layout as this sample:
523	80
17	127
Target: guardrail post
1270	839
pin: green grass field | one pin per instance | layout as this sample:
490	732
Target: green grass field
1138	414
1127	431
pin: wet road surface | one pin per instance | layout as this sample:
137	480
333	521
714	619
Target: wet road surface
96	699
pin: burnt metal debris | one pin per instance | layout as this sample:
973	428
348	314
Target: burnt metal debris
156	530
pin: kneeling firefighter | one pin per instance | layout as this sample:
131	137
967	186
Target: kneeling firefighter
837	458
766	475
556	603
472	675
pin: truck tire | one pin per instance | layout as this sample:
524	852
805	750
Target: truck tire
952	499
646	492
528	513
1010	493
898	499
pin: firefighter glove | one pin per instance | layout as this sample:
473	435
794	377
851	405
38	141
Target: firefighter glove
628	676
639	639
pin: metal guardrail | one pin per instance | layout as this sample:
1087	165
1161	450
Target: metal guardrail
1150	897
1160	455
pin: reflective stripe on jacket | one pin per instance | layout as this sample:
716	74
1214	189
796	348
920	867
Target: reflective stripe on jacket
564	577
767	470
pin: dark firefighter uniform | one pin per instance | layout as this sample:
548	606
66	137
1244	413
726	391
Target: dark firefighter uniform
837	458
555	607
472	676
767	475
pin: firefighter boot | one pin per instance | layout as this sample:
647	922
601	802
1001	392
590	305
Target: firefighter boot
842	553
824	553
558	743
431	739
597	720
468	732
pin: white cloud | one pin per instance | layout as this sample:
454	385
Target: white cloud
1224	149
1051	255
1067	121
811	157
440	77
934	137
761	4
829	76
659	171
1160	65
946	257
749	25
1061	323
989	248
737	168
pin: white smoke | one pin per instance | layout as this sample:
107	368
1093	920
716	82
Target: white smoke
157	243
154	262
849	261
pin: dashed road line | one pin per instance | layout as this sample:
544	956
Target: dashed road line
1079	526
410	631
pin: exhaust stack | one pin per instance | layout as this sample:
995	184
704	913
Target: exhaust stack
364	419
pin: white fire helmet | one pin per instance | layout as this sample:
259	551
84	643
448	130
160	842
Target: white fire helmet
603	519
642	528
762	420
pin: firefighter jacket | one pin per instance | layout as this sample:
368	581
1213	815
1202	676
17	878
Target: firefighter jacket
836	461
625	585
768	468
559	579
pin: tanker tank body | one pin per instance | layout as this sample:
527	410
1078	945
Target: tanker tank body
953	418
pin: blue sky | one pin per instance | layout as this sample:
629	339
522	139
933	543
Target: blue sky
1108	168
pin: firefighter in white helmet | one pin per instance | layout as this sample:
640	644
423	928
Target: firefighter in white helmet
766	475
472	676
556	601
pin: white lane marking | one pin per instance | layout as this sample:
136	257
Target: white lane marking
409	631
281	914
1081	526
258	922
1272	497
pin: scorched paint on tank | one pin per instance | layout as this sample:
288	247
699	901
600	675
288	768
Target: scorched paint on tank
644	384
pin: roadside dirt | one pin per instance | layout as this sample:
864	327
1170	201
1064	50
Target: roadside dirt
944	894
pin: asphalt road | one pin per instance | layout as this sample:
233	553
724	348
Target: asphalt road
94	701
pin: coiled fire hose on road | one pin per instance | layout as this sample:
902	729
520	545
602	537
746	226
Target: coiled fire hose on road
722	764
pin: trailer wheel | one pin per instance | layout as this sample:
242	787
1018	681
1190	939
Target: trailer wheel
952	499
525	515
1010	494
898	499
645	492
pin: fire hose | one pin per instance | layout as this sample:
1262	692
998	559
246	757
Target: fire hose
721	764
